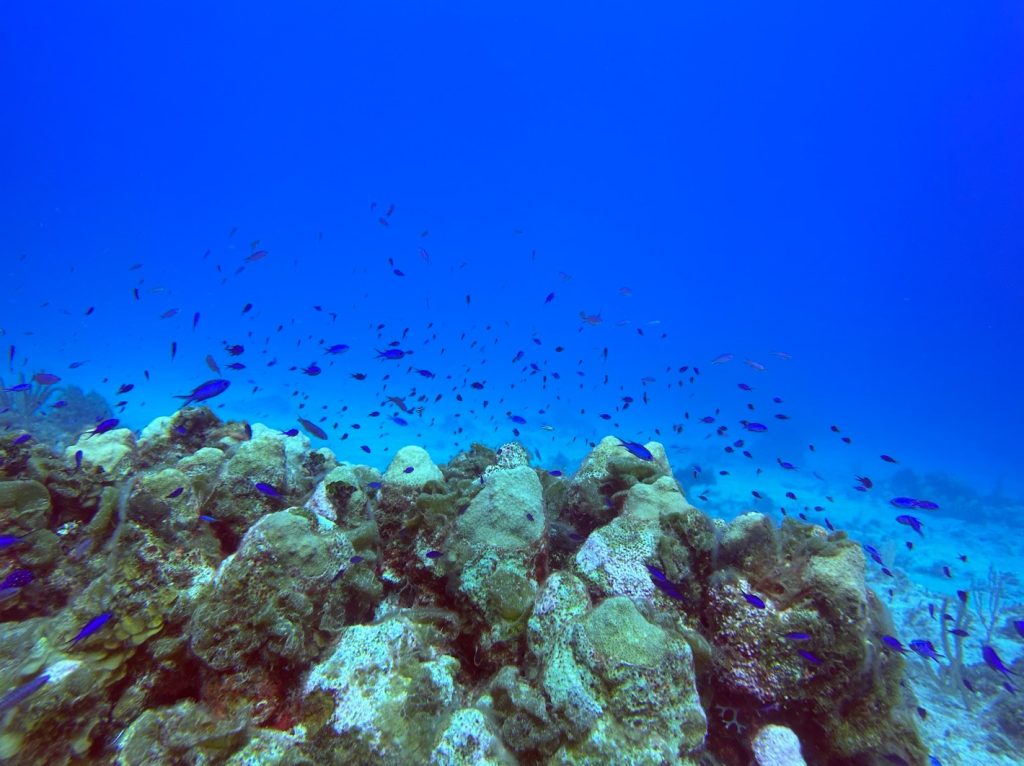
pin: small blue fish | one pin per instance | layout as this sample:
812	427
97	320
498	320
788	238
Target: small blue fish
92	626
19	388
337	348
107	425
517	419
204	391
809	656
23	438
637	449
399	421
408	469
754	427
797	635
356	559
1019	625
556	473
266	489
911	521
313	370
906	503
993	661
207	519
175	493
21	693
18	578
374	485
290	432
754	600
391	353
433	554
894	644
925	649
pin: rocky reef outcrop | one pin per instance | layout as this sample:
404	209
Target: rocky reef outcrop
214	593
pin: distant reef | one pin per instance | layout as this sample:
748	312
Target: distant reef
211	592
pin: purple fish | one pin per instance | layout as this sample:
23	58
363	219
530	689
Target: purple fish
45	378
78	459
391	353
797	635
556	473
925	648
175	493
926	505
754	427
811	658
905	503
204	391
18	388
408	469
517	419
92	626
433	554
23	438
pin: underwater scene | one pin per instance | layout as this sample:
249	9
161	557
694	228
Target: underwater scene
511	383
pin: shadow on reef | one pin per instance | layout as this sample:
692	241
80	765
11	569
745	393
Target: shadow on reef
219	593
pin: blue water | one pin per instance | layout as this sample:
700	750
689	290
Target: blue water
840	185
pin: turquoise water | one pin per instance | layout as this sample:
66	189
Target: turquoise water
612	222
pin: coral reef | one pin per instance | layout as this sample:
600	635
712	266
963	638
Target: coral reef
210	592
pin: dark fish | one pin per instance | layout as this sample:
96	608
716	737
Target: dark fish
551	297
754	427
797	635
312	370
19	388
865	482
911	521
290	432
124	388
212	364
433	554
1019	625
266	489
78	459
926	505
557	473
391	353
337	348
92	626
204	391
905	503
312	428
356	559
889	459
374	485
993	661
959	633
22	439
246	308
517	419
637	449
45	378
408	469
175	493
